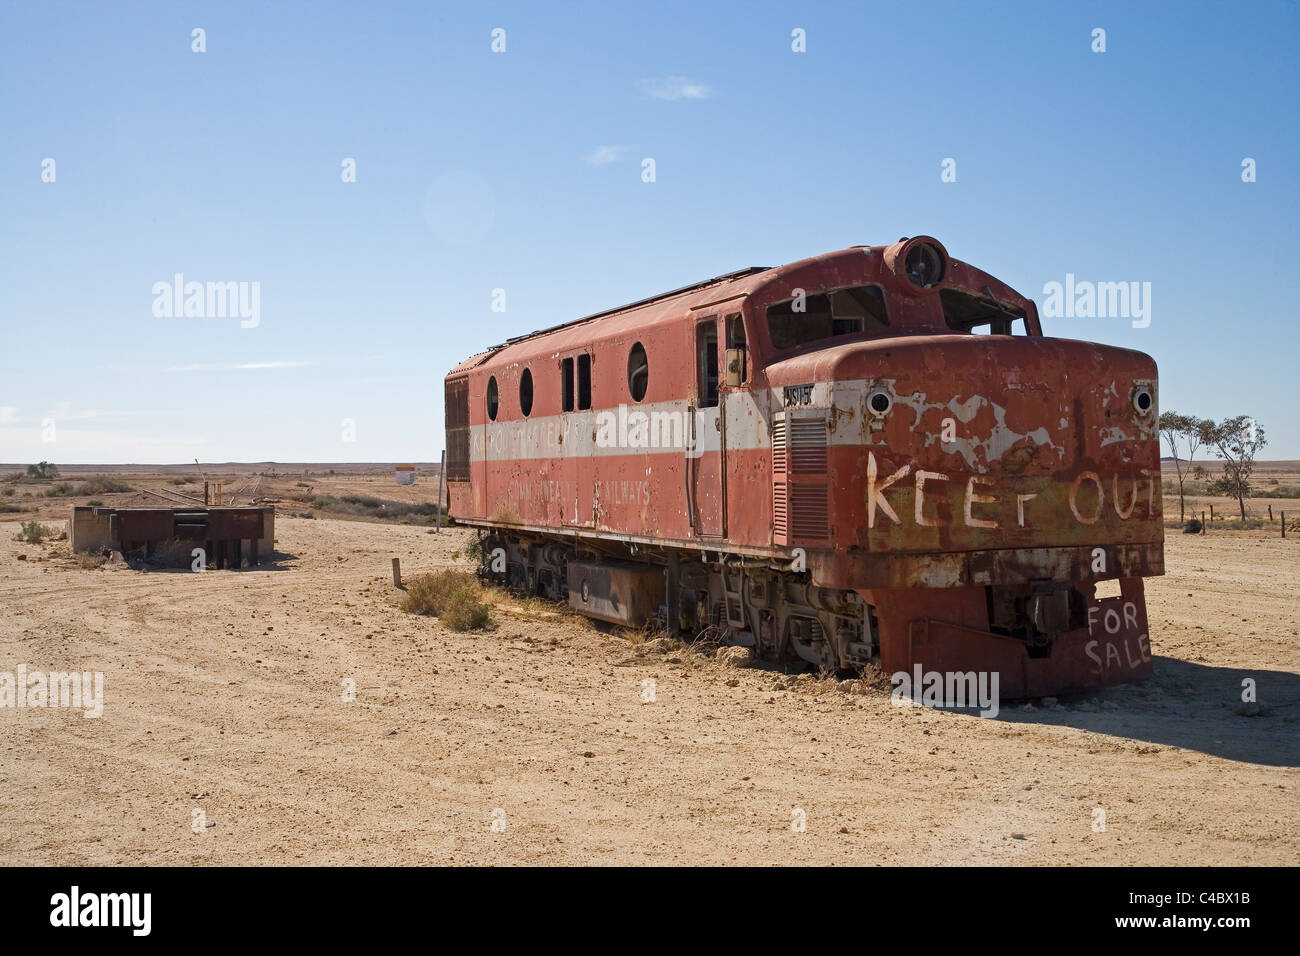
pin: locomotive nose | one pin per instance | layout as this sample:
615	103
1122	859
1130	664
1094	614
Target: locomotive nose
988	441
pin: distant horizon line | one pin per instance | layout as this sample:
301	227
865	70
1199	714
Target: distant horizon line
218	464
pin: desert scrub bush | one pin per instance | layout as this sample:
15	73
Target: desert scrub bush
9	490
103	485
1288	491
465	612
428	593
60	489
33	532
454	597
368	506
95	503
476	549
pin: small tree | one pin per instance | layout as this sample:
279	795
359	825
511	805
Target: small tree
1236	441
1192	432
1173	427
43	470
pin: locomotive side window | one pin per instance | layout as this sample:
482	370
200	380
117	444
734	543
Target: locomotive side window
566	384
706	361
969	312
851	311
493	402
737	358
584	381
638	372
526	393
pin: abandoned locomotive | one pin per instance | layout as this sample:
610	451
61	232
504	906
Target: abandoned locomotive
872	455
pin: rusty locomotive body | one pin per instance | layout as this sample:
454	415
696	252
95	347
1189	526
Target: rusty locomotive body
869	456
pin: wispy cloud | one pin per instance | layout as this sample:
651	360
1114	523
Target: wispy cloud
675	88
604	155
8	413
241	366
67	412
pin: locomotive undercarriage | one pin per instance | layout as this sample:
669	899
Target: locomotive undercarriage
737	600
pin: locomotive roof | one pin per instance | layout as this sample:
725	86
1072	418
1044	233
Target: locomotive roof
740	282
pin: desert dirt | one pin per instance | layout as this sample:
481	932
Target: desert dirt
223	692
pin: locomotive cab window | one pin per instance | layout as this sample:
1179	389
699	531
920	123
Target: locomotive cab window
584	381
736	366
827	315
493	400
706	362
971	312
566	385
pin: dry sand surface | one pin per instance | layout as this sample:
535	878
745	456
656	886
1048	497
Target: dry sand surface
223	694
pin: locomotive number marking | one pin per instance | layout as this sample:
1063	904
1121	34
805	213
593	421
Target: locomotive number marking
798	395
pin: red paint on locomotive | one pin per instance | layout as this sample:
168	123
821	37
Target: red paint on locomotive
831	440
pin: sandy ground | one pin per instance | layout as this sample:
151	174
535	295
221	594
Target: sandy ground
223	693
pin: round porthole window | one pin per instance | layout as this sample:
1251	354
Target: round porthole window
638	372
493	400
1143	400
526	393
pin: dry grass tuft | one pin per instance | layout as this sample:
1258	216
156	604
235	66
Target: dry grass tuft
33	532
454	597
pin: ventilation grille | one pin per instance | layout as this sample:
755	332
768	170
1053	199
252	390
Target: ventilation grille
800	508
807	451
780	510
456	410
808	512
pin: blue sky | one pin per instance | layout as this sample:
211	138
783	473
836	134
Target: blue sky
522	171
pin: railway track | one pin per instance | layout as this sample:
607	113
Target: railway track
248	489
175	497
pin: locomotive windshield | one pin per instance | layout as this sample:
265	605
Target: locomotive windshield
968	312
812	318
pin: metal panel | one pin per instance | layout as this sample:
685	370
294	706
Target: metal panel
141	525
616	592
234	523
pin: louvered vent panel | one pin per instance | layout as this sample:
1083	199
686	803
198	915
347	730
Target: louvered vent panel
780	446
808	511
800	509
780	513
456	412
780	499
807	446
